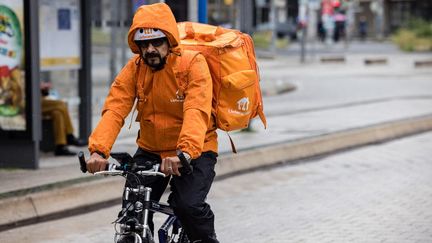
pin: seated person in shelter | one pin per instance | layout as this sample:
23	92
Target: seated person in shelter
57	110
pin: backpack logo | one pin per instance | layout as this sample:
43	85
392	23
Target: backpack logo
243	104
242	107
179	97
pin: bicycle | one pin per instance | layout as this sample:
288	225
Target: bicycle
133	218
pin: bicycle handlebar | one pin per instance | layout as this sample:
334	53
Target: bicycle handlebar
113	169
114	172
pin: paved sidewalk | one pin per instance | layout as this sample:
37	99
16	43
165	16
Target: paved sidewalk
374	194
317	118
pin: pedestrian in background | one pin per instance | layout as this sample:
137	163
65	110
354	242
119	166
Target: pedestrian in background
327	11
362	27
340	19
57	110
321	31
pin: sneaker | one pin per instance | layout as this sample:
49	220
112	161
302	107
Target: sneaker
72	140
62	150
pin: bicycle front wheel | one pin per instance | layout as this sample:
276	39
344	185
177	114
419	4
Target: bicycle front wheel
132	239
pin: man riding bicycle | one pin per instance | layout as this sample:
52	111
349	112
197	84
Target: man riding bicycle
173	124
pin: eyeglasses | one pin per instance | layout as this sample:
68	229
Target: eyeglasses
154	42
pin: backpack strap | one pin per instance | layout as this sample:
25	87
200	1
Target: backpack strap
233	148
181	70
139	89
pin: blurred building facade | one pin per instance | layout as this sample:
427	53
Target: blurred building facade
383	16
398	12
389	15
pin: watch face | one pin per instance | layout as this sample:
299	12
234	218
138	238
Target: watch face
129	206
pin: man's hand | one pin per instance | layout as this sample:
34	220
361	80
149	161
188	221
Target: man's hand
96	163
171	165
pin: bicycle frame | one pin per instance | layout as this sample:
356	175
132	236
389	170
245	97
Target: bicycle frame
138	200
155	207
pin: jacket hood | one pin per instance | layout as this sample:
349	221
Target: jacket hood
158	16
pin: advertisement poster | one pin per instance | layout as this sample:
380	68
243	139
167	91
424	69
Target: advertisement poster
60	34
12	99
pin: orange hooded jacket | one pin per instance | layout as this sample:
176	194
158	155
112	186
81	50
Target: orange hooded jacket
167	122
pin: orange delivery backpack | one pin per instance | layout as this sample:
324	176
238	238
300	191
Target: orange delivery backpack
230	56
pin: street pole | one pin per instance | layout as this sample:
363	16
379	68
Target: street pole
303	45
85	80
314	16
380	21
273	27
350	22
193	10
113	49
122	10
304	24
377	9
232	16
202	11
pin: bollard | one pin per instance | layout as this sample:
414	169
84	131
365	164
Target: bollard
333	59
373	61
425	63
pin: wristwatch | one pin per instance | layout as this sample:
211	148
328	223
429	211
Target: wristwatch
100	153
184	155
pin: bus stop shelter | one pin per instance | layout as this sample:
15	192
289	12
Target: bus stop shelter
20	66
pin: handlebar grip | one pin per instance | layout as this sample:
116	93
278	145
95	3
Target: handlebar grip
187	168
83	164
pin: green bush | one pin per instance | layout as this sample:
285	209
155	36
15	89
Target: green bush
415	36
424	31
263	40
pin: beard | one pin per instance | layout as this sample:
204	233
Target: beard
154	60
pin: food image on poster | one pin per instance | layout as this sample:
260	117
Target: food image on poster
12	99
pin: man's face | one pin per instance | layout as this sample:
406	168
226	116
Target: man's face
154	52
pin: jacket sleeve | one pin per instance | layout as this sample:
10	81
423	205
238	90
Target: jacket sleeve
196	108
117	106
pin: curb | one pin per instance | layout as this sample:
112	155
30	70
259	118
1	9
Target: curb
424	63
56	203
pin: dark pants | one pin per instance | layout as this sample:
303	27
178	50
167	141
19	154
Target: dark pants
188	195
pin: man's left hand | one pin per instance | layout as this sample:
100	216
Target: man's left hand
171	165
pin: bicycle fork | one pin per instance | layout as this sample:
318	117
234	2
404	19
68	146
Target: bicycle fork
147	232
